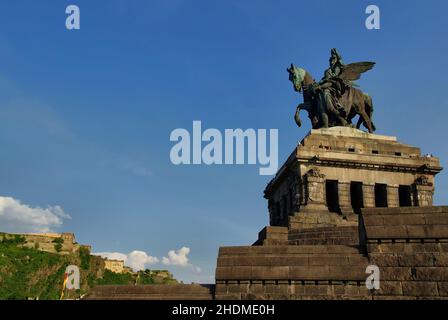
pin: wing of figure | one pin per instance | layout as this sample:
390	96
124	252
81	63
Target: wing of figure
353	71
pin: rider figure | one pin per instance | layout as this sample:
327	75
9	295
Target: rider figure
332	88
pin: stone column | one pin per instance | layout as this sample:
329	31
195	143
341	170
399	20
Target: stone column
368	191
423	192
345	201
392	196
344	195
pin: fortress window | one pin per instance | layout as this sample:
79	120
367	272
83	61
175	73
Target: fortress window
404	196
374	151
380	195
356	196
331	190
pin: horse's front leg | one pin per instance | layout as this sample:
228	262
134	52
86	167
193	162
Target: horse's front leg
302	106
297	114
322	111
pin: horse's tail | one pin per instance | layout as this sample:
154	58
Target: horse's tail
368	103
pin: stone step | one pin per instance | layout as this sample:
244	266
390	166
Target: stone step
330	241
406	223
325	236
152	292
325	231
291	260
304	262
296	273
290	249
313	268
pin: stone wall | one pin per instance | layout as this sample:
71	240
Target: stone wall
47	241
116	266
152	292
409	245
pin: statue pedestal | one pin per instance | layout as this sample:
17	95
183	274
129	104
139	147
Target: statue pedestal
344	199
335	172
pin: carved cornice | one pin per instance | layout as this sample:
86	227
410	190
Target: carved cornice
285	170
353	164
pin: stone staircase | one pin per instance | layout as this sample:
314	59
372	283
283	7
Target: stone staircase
152	292
325	236
291	272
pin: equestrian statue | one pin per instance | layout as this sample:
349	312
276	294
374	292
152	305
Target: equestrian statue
335	100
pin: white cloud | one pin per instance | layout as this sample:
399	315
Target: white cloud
140	260
18	217
177	258
137	260
180	258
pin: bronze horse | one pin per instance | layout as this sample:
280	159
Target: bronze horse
354	101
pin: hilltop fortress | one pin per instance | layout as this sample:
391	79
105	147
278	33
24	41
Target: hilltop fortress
64	244
61	243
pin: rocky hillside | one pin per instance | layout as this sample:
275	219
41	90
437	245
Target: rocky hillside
28	273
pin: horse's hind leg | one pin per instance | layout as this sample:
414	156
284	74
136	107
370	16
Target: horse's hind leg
360	121
368	106
366	119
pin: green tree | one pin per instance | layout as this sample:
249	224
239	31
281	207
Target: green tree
84	255
110	277
58	244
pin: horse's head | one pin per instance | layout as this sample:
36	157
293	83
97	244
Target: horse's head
296	76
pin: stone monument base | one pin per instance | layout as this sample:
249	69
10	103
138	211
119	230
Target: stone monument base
409	246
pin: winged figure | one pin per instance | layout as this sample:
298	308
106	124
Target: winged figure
334	100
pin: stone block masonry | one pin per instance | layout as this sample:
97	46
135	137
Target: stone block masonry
409	245
343	200
333	173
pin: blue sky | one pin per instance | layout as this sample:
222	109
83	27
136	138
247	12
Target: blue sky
86	115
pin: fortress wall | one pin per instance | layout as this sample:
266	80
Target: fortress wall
45	242
116	266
